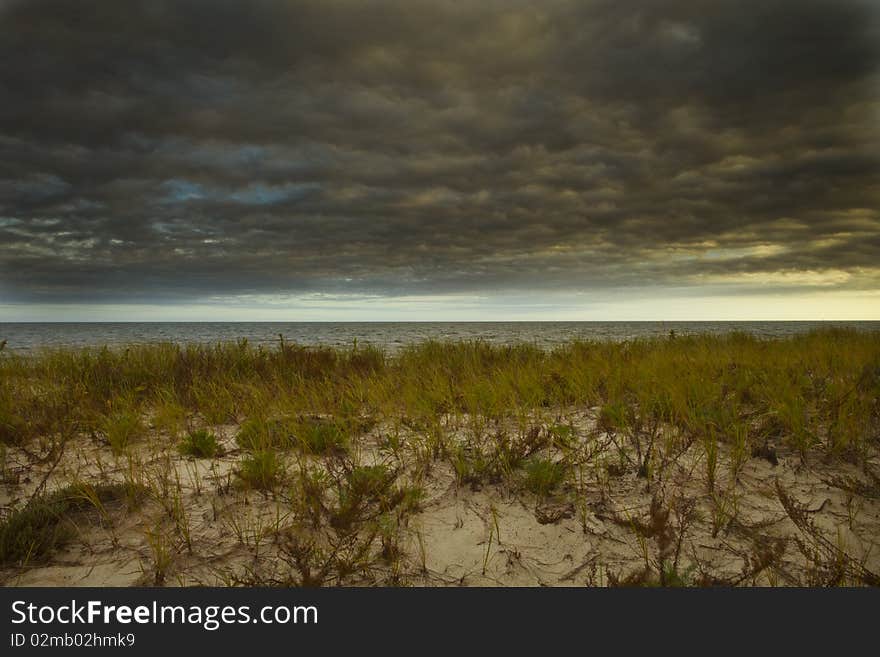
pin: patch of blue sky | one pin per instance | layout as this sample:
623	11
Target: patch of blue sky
181	191
184	191
260	194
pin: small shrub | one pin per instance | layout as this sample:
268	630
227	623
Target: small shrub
46	523
12	428
365	491
33	531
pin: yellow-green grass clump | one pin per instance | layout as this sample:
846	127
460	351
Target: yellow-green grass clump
543	476
322	437
259	433
200	443
122	428
261	470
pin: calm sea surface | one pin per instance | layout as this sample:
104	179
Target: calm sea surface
390	336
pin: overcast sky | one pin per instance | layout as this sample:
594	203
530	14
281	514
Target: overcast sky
440	159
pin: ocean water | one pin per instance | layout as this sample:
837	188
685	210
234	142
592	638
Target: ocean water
391	336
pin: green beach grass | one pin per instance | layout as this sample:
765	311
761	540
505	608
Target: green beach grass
817	392
501	417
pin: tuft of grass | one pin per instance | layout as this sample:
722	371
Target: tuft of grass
322	437
169	417
161	550
562	435
259	433
122	428
262	470
200	443
543	476
46	523
369	480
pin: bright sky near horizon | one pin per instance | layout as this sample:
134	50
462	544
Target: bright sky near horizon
668	307
343	160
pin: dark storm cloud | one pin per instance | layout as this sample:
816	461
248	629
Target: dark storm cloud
182	150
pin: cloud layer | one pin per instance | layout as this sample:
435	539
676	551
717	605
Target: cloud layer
181	151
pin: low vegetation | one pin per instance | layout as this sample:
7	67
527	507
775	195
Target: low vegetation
48	521
342	443
201	443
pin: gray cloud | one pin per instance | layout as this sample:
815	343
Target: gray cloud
181	150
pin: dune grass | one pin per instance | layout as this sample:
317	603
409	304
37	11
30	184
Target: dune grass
261	470
497	416
816	392
200	443
542	476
